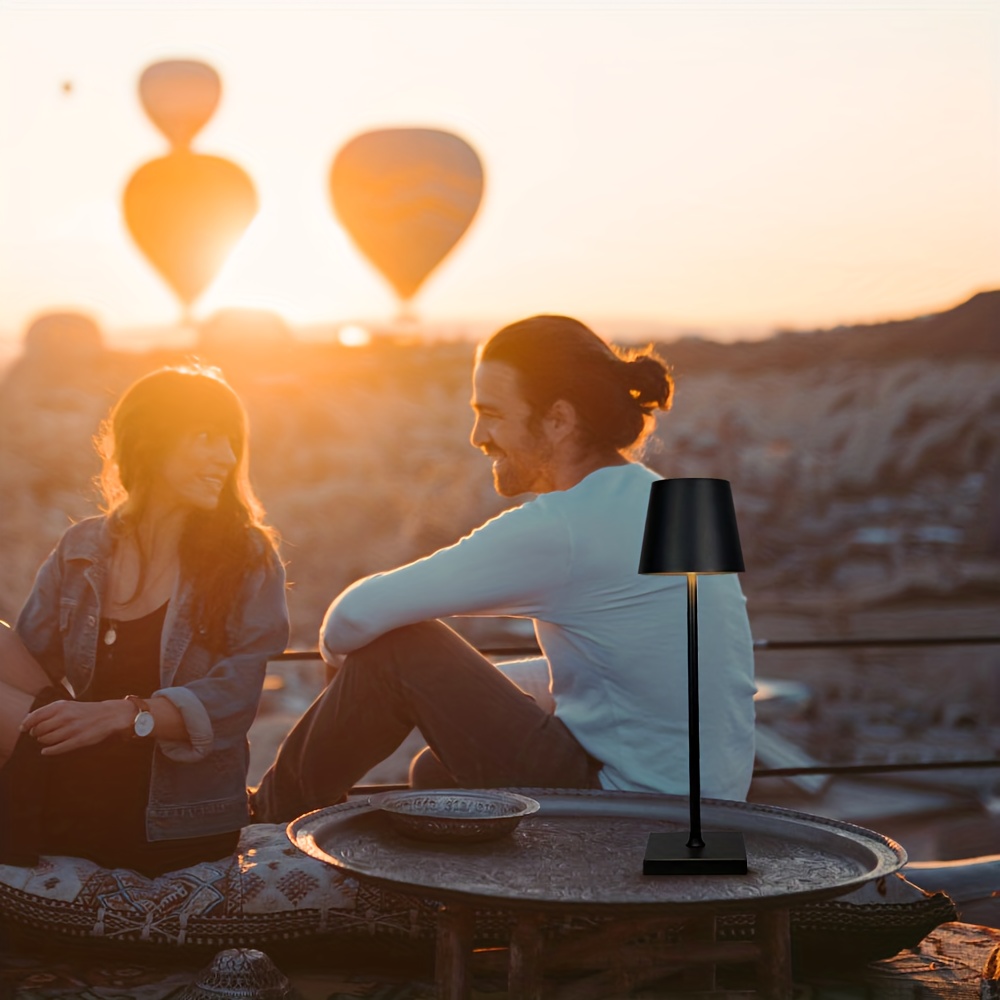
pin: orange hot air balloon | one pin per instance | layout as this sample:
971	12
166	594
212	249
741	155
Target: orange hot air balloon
179	96
186	211
406	196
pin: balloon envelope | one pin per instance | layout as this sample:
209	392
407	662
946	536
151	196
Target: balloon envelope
186	211
406	196
179	95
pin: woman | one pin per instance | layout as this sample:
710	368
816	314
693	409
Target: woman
149	629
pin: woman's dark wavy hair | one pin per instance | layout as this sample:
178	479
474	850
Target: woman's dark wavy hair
614	391
219	546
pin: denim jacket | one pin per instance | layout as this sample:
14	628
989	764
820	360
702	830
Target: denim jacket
198	785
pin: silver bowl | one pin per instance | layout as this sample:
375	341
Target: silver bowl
455	815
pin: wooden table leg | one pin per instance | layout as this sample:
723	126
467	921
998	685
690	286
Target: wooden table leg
701	976
774	968
454	950
524	973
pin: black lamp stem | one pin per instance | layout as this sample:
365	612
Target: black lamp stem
694	741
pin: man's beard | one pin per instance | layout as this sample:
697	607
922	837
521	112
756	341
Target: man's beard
521	474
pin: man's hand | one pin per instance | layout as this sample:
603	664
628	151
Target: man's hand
62	726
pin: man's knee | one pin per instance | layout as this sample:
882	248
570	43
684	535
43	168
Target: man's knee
427	771
397	650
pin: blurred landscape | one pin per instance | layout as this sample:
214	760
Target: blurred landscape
865	464
865	461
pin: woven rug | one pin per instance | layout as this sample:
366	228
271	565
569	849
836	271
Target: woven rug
37	976
947	963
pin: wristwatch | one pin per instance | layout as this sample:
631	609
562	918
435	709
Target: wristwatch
142	724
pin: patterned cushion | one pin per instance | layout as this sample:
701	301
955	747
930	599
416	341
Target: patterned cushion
267	891
876	921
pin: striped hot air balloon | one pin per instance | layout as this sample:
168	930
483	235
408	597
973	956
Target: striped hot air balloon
406	196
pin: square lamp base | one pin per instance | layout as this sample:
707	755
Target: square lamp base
724	853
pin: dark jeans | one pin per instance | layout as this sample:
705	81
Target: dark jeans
23	787
482	729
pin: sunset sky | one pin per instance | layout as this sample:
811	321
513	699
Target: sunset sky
729	167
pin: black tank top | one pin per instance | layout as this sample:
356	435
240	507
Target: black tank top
95	798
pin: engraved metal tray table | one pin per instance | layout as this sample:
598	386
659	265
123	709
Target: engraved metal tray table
581	854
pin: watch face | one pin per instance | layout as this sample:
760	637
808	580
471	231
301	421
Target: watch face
143	724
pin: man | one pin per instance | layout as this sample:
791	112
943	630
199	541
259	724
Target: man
558	411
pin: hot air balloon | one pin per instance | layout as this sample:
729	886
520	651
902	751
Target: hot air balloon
179	95
186	210
406	196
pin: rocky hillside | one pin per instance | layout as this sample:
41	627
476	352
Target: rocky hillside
865	461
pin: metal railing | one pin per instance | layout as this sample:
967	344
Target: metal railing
773	645
759	645
769	645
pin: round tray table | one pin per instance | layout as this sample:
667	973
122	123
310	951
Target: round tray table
581	855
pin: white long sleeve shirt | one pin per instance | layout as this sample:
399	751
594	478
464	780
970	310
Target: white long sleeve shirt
615	640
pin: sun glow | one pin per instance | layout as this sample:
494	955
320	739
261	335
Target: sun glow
305	274
353	335
235	284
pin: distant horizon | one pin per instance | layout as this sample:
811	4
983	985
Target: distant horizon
624	330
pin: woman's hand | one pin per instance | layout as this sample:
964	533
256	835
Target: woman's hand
62	726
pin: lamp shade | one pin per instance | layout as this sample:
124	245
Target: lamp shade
691	528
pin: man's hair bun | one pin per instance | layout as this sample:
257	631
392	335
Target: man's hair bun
649	382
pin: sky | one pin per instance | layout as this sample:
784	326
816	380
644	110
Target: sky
728	168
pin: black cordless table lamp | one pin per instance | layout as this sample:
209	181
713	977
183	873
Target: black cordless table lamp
691	529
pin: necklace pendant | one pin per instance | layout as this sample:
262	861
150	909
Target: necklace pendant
110	636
